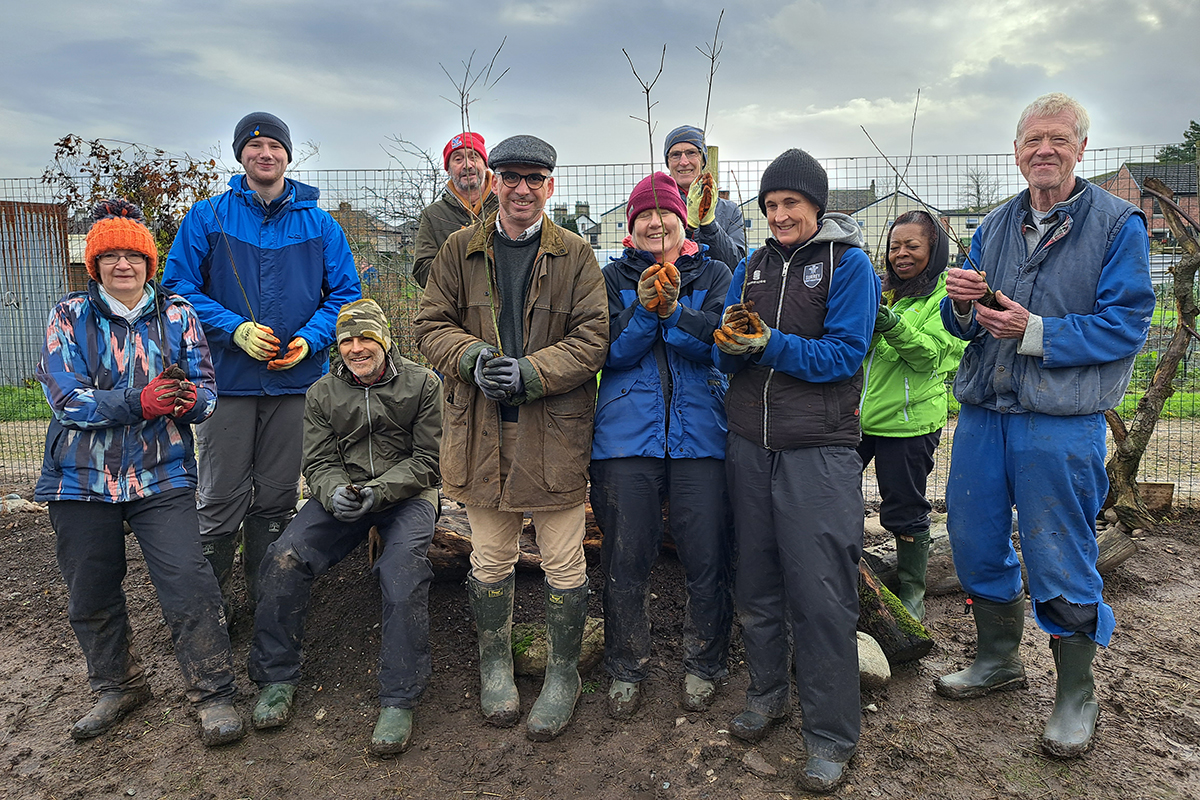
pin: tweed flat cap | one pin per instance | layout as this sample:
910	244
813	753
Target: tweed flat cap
523	149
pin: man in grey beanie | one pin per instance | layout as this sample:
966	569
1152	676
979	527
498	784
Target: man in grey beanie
711	220
515	316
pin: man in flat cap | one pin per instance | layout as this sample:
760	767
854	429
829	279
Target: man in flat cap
267	271
711	220
469	197
515	316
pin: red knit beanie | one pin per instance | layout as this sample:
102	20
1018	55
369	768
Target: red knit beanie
464	140
664	189
119	226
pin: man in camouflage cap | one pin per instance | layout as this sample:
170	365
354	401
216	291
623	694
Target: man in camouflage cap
372	432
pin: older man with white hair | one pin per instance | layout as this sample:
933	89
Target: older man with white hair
1069	264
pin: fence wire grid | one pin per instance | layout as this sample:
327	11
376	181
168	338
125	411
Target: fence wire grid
41	255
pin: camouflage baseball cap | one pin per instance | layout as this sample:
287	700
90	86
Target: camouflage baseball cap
366	319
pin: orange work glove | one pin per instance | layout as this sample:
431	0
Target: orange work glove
297	349
666	284
741	332
648	294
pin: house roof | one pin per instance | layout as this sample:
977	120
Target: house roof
846	201
1180	177
888	197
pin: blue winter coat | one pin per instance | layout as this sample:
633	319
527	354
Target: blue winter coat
295	271
93	368
632	417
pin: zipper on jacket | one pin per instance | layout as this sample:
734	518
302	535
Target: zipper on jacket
906	398
866	379
370	434
766	414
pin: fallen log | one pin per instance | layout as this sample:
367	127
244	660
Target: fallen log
882	616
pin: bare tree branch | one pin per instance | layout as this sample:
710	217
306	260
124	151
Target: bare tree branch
713	51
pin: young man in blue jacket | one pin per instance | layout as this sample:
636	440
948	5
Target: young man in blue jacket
267	271
1069	264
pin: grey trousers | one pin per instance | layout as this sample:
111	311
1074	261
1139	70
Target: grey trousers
90	545
798	518
249	460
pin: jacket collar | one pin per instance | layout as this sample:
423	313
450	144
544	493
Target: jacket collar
552	240
340	371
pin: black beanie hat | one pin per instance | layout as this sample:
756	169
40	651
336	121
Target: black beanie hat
798	171
260	123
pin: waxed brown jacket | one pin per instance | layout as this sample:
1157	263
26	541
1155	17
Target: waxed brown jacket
565	344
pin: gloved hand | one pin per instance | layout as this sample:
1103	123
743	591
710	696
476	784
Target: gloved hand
741	331
185	398
158	397
351	502
667	286
885	318
258	341
505	372
648	287
296	351
491	390
702	201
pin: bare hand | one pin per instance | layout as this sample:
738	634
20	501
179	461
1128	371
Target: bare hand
1009	323
964	287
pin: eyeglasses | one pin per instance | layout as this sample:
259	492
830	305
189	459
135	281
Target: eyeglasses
513	179
675	156
111	259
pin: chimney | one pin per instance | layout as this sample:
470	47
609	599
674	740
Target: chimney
582	209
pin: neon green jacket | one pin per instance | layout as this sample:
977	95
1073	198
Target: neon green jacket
904	375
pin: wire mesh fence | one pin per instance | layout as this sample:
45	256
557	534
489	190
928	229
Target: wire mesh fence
41	254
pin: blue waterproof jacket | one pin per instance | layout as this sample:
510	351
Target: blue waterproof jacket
294	271
93	368
651	360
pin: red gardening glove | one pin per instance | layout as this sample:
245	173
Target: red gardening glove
185	398
297	350
158	398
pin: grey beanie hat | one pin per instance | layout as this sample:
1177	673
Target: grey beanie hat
798	171
523	149
685	133
260	123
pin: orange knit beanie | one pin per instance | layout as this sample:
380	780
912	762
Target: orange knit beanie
119	226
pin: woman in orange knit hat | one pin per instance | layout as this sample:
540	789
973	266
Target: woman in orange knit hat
126	371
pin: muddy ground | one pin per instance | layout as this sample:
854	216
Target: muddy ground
914	744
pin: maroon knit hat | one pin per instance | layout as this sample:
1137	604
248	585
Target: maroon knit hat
464	140
664	189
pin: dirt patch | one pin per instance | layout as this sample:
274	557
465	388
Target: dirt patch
914	744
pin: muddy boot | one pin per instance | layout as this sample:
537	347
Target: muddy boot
624	698
1069	730
220	723
110	709
393	731
492	604
220	551
912	557
566	613
274	706
997	665
257	535
698	693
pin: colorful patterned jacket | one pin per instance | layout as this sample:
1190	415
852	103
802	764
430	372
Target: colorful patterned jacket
93	368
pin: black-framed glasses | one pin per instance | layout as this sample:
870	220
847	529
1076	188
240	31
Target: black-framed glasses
513	179
111	259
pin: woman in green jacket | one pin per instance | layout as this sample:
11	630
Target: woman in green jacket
904	398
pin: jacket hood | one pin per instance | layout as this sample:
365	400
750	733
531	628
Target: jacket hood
923	284
839	229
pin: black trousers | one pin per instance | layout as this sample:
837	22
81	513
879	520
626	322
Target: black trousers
90	545
902	467
308	548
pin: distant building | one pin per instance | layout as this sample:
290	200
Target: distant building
1129	181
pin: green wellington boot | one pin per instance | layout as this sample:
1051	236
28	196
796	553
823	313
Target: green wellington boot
492	604
393	731
912	558
274	706
997	665
1069	730
566	613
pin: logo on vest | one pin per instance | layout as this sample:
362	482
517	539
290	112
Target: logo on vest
812	274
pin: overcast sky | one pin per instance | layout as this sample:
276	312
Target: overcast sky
806	74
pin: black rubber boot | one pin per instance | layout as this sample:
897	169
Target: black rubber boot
912	558
220	552
1069	730
566	613
492	604
997	665
257	535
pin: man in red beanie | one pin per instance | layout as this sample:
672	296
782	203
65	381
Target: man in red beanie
468	198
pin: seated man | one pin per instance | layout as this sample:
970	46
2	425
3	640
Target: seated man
372	433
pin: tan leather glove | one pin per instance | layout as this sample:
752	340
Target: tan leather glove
648	294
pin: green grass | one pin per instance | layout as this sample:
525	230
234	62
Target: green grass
1181	405
19	403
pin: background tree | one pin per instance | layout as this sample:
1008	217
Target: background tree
1185	152
981	190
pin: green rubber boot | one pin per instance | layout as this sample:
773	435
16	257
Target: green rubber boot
1069	730
997	665
257	535
492	604
274	707
566	613
912	558
393	731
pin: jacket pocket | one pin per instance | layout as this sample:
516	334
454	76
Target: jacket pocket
455	436
567	446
